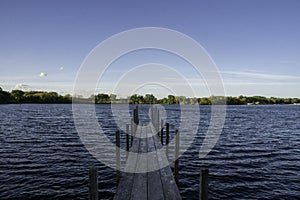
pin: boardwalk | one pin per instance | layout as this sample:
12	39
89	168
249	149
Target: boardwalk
147	174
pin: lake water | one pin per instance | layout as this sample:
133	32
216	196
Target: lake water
256	157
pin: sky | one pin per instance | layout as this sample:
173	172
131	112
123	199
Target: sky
254	44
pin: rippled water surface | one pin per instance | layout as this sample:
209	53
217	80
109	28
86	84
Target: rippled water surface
256	157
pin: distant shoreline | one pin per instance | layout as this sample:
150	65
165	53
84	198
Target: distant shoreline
42	97
147	104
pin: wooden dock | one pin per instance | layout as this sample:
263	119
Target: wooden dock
147	173
140	180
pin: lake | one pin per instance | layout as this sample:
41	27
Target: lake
256	157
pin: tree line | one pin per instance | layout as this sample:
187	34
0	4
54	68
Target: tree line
19	96
240	100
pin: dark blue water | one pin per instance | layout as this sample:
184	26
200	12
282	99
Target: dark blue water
256	157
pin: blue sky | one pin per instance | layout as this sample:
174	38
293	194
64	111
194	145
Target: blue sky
255	44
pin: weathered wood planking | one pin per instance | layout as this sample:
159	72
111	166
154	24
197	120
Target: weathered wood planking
126	181
153	185
170	188
155	189
139	189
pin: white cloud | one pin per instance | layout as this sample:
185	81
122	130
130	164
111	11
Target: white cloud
61	68
43	74
21	86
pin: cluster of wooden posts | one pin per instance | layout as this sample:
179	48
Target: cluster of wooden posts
159	127
130	133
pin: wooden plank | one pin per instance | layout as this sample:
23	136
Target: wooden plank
125	186
126	182
140	182
170	188
155	189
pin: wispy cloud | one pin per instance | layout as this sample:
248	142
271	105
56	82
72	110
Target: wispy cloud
257	75
259	83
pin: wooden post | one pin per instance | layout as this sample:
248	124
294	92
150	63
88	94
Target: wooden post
204	184
161	127
118	159
151	112
136	115
162	136
157	121
167	139
153	118
93	183
127	140
176	167
132	129
135	118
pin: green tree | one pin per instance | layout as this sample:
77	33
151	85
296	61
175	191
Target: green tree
133	99
193	101
234	101
67	98
17	96
49	97
113	97
150	99
182	100
28	97
102	99
172	100
204	101
4	96
295	100
218	100
163	101
140	99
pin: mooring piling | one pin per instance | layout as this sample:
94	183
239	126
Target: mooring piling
176	167
204	184
118	158
167	140
93	183
132	132
157	120
127	140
